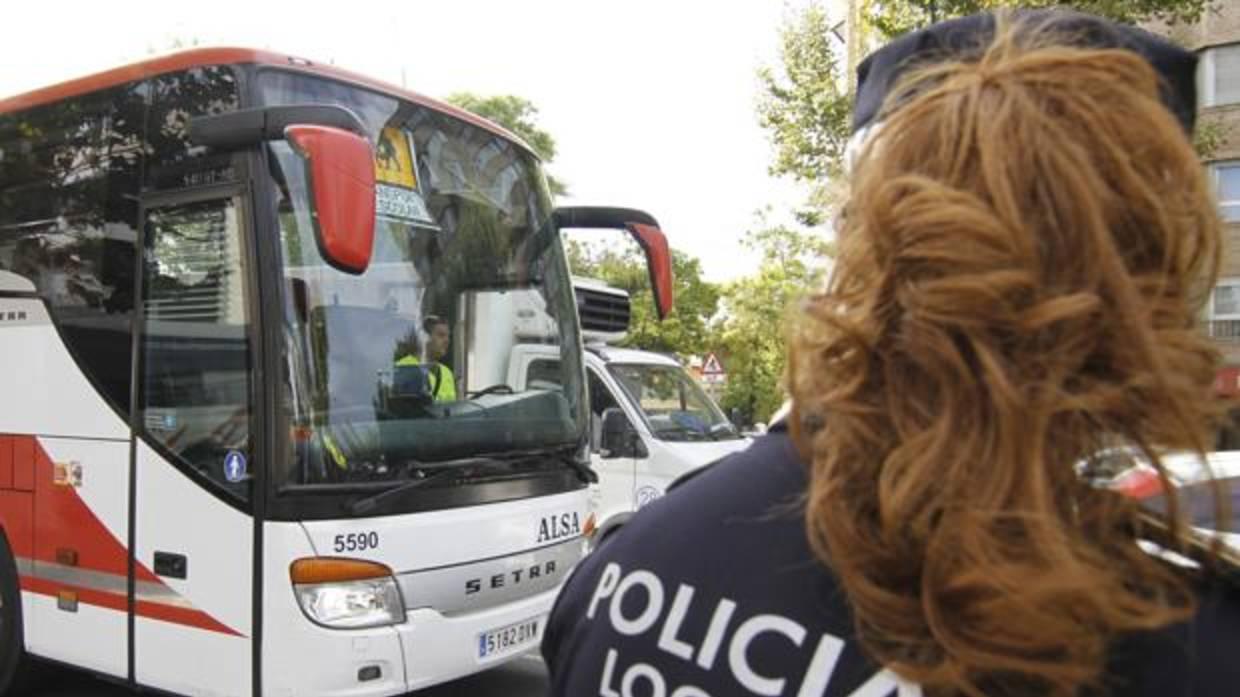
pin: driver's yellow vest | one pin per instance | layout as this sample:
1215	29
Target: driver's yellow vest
443	389
334	450
442	381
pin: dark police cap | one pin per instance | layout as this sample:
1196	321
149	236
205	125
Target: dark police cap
965	36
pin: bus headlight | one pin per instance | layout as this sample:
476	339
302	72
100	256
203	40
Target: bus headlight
347	593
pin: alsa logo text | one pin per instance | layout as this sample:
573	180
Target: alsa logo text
558	527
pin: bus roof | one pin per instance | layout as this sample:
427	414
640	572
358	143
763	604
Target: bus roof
192	58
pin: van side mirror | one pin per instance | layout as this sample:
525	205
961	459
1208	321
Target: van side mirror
619	438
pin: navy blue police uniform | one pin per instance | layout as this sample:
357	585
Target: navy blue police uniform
713	590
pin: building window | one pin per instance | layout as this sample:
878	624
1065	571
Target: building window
1223	320
1226	301
1227	189
1220	75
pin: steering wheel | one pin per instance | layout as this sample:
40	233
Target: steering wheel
494	389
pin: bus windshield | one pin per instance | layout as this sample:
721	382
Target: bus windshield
401	373
673	405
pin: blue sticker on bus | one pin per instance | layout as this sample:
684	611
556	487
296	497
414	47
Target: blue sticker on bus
234	466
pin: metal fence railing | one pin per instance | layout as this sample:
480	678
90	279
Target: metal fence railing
1223	329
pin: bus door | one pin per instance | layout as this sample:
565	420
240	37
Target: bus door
195	449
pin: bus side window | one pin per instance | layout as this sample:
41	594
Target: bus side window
195	344
68	213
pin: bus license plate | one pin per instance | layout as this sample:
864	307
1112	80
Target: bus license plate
509	639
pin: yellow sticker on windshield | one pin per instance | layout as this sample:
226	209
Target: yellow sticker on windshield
396	181
394	159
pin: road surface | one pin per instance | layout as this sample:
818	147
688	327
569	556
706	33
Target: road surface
524	677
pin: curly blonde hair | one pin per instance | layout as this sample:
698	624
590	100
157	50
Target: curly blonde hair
1027	243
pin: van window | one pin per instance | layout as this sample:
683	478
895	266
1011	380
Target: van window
674	406
601	399
543	374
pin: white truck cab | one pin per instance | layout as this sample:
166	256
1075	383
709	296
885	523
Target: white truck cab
650	421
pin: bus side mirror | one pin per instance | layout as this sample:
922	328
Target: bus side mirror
644	229
658	262
340	167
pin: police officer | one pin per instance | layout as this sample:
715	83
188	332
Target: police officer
1026	225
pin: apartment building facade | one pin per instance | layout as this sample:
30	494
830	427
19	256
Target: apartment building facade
1216	38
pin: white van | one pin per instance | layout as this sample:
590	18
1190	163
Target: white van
651	422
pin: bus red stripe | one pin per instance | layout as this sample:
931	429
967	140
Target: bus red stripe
184	616
113	601
64	520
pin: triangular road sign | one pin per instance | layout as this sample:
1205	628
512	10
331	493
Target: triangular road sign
712	366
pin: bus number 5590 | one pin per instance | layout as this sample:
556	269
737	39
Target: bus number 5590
357	542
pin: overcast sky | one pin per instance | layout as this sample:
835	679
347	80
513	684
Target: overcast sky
651	102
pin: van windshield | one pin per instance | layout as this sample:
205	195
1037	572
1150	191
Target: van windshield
674	406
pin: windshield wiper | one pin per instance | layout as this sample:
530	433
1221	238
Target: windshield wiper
723	428
370	503
688	434
560	454
444	468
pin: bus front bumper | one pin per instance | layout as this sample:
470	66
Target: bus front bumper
439	648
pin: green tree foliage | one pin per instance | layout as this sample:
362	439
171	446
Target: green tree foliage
756	308
687	330
518	115
805	107
1211	136
900	16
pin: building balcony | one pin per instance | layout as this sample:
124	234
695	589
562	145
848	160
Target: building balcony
1223	330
